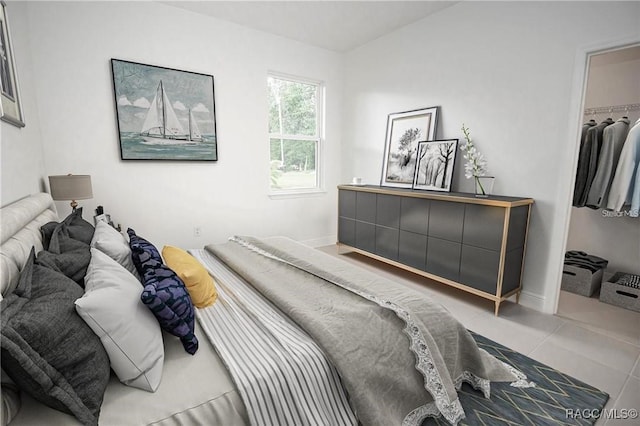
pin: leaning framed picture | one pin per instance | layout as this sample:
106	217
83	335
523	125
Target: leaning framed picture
434	165
164	113
10	107
404	130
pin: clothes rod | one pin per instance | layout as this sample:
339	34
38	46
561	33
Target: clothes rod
612	108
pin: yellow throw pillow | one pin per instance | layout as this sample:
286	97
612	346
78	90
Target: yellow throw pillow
199	283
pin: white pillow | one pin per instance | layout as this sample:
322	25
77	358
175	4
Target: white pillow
129	332
112	243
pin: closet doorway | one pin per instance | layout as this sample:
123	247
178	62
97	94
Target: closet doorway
612	91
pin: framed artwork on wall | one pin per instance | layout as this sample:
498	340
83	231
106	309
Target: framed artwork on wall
404	130
164	113
434	165
10	107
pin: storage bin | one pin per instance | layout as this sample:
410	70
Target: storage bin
581	281
625	295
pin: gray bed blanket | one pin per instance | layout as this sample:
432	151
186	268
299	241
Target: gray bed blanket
400	355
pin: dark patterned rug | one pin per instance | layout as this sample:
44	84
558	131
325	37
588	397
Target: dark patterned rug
552	402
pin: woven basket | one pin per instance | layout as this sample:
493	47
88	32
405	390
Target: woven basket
581	280
625	296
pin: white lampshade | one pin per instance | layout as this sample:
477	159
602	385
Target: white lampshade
70	187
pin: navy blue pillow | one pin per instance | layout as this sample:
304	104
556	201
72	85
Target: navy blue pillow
164	292
167	297
142	251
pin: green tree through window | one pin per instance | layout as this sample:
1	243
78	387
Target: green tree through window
294	133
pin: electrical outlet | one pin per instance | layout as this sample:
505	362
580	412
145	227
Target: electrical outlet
197	231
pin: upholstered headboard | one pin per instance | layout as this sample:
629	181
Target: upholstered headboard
19	231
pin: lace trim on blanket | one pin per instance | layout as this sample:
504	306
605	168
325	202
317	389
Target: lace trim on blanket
522	381
484	385
452	411
419	414
476	382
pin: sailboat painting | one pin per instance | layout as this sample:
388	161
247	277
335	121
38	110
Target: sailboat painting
164	113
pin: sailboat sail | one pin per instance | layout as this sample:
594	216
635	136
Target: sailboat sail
162	126
153	122
171	124
194	131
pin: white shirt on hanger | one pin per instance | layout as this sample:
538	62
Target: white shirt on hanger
625	187
635	193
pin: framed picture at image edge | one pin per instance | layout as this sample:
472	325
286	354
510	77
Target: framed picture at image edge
10	107
404	130
434	165
164	113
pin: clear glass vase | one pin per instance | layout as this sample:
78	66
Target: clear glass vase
484	185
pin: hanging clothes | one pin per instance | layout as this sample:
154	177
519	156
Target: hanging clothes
579	185
635	193
613	139
588	162
625	187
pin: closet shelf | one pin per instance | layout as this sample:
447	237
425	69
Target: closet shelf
612	109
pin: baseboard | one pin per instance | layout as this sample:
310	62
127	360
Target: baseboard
532	300
320	242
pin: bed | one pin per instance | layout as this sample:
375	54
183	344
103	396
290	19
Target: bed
398	359
179	400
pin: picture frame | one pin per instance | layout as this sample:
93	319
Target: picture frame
404	131
10	105
164	113
435	165
101	218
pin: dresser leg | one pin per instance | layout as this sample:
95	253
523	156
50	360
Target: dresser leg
517	297
497	302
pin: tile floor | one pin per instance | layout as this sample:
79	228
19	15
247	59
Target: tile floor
592	341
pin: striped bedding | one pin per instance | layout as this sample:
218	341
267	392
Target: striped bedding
401	356
283	377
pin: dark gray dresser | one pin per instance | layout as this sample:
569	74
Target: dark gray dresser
474	244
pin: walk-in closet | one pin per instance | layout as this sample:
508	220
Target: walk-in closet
601	277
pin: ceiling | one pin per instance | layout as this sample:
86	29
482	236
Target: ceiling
335	25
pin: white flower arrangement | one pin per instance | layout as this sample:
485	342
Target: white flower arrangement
475	165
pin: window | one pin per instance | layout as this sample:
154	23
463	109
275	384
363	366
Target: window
295	123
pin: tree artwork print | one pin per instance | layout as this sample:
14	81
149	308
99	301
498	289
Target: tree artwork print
404	131
434	169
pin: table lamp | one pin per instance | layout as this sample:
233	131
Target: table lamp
70	187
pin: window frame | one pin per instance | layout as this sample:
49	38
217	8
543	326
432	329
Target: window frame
318	138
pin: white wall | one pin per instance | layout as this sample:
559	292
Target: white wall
21	155
506	70
164	201
613	80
